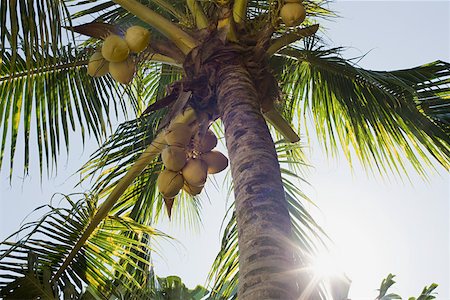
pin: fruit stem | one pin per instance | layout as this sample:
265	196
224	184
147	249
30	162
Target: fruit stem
281	125
152	151
239	11
179	37
227	24
291	37
163	59
199	15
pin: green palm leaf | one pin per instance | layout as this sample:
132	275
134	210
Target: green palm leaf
382	118
110	12
32	28
51	100
98	261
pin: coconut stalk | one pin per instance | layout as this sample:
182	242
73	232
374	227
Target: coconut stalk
287	39
156	57
180	38
152	151
226	23
239	11
281	125
199	15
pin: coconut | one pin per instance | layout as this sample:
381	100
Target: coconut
137	38
208	142
115	49
292	14
192	190
98	65
187	116
178	134
216	161
123	71
174	158
195	172
169	183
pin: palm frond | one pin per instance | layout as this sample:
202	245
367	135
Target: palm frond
97	264
110	12
51	100
32	28
382	118
426	294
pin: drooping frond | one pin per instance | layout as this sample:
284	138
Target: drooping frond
110	12
307	234
383	118
51	100
98	261
32	28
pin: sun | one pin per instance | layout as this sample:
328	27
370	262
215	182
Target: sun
328	270
326	266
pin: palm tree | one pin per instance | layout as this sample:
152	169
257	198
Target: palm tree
232	60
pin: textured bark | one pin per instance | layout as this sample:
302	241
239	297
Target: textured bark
264	228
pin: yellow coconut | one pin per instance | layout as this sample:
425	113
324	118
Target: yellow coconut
216	161
169	183
192	190
195	172
137	38
178	134
292	14
174	158
123	71
208	142
98	65
115	49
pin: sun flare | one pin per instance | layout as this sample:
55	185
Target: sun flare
325	265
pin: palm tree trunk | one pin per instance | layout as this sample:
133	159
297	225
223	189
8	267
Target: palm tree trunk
264	228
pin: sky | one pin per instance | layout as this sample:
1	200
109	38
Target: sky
379	225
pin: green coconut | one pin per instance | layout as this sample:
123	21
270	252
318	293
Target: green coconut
169	183
115	49
97	65
216	161
195	172
292	14
173	158
137	38
178	134
208	142
123	71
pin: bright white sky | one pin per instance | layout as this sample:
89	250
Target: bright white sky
379	226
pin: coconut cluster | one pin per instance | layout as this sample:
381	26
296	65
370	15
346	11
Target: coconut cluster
114	56
188	158
292	13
